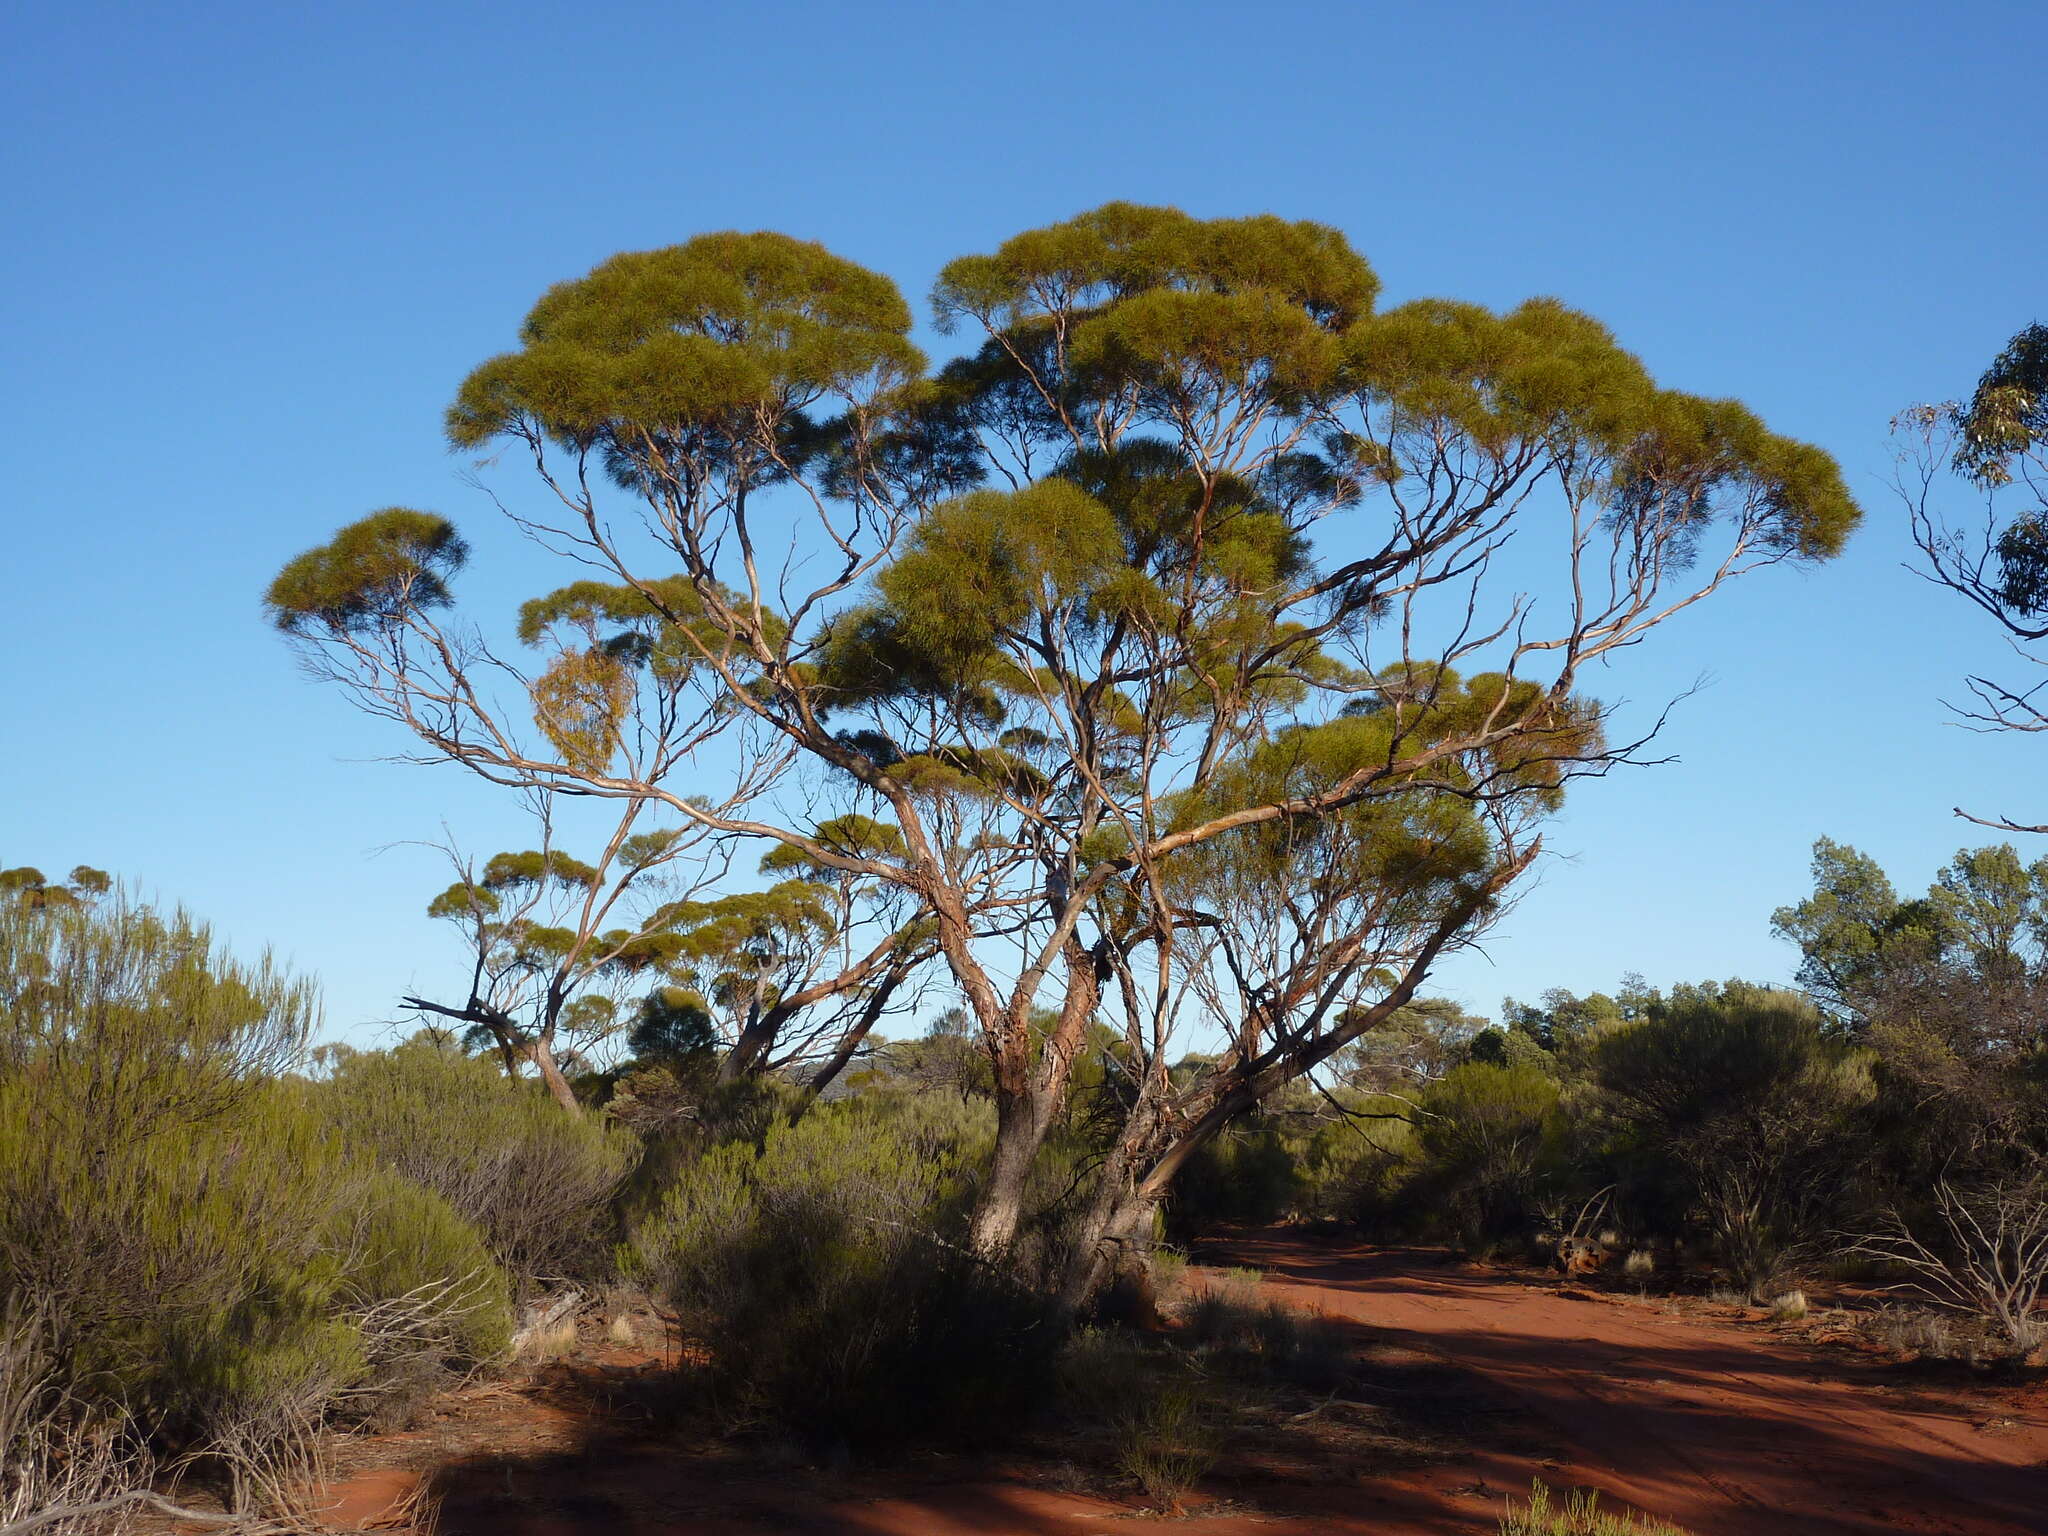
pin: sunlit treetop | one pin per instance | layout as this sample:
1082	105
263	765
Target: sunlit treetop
369	574
688	337
2007	415
1546	374
858	836
1122	251
1115	538
1171	316
32	888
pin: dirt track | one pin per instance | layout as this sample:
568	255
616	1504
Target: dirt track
1716	1425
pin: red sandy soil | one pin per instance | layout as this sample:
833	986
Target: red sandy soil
1721	1424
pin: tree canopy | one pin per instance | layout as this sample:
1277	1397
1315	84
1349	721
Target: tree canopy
1181	589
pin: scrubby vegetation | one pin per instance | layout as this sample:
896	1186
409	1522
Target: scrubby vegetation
196	1266
1884	1120
828	1265
216	1243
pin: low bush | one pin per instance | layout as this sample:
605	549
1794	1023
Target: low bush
210	1273
1146	1411
1165	1443
1491	1140
824	1270
535	1181
1235	1330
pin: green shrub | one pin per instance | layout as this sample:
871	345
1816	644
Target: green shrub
1737	1107
419	1272
180	1221
535	1181
1492	1140
824	1271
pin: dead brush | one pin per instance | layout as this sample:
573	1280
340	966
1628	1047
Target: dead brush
58	1463
1914	1331
1984	1253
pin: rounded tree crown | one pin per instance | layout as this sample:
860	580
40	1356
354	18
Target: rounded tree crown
691	335
370	573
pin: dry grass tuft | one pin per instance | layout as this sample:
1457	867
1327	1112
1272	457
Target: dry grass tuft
1579	1516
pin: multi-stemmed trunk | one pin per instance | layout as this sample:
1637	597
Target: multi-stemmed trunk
1030	1091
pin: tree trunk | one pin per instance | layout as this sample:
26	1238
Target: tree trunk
1029	1095
1112	1240
1020	1131
754	1043
1137	1176
543	1058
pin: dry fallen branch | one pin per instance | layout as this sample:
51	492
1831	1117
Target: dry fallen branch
240	1524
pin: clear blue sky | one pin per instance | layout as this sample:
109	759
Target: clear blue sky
250	250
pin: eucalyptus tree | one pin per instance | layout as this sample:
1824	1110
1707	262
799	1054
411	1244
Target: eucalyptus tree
30	887
1049	609
551	940
798	972
1973	950
1996	443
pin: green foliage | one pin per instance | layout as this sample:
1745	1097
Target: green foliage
28	886
1738	1106
216	1274
823	1269
1861	946
1123	250
2006	417
86	995
1849	928
1492	1140
1249	1176
1699	1059
673	1029
1165	1443
403	1244
372	573
1563	1023
692	337
533	1181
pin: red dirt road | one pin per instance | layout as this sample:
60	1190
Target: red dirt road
1716	1425
1719	1425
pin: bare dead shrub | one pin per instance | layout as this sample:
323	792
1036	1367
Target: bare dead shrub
55	1453
1983	1251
